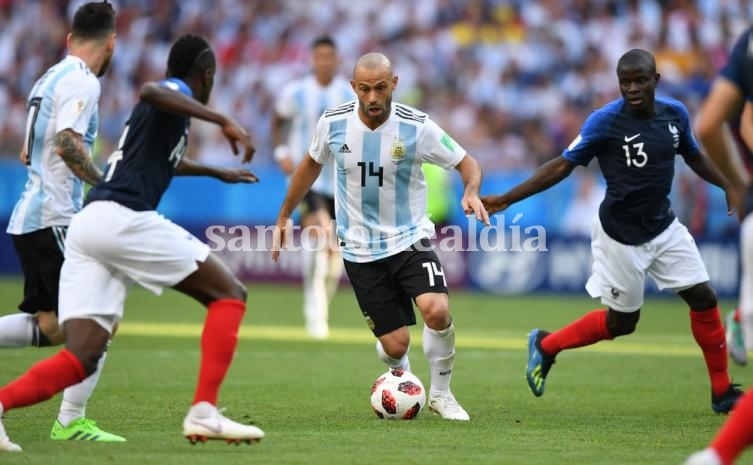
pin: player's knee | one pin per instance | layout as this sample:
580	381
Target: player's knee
87	341
622	323
700	297
236	291
437	317
395	347
90	360
87	354
435	310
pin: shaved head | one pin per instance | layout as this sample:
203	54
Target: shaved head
373	83
638	58
373	61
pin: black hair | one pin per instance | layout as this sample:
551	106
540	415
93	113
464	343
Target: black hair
189	56
93	20
639	58
323	40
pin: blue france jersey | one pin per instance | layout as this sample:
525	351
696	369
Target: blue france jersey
637	158
150	148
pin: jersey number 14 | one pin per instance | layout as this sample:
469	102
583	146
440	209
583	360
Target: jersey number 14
112	161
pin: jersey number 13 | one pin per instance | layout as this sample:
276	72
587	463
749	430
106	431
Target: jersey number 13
638	159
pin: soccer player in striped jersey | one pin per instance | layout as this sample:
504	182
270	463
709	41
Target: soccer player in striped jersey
300	105
721	110
60	130
380	200
635	139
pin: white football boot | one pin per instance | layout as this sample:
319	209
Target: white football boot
448	407
204	422
704	457
5	444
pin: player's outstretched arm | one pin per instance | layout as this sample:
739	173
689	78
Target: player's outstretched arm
547	175
711	128
175	102
303	178
706	170
229	175
470	173
70	146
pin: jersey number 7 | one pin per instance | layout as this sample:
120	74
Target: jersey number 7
31	121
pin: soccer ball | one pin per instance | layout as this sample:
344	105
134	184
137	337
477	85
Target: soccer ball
398	394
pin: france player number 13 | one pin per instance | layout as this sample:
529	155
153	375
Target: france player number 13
639	159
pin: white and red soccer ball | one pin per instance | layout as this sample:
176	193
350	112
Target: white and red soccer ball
398	394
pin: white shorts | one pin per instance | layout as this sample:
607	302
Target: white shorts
619	270
109	247
746	282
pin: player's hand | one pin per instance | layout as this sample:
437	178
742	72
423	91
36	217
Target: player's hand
24	157
236	175
280	236
235	134
735	201
494	203
472	205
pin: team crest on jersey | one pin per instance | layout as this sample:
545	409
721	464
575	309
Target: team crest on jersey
398	151
675	135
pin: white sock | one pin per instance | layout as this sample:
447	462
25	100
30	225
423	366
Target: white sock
439	348
17	330
315	303
402	363
746	281
76	397
334	273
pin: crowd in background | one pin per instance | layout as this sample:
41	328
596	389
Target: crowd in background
511	80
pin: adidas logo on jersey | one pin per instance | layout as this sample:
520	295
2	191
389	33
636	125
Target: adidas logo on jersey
344	149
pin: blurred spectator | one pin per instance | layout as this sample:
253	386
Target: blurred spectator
506	77
584	206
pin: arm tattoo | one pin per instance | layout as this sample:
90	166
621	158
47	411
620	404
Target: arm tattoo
71	150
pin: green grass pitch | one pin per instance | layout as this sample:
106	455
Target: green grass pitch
640	400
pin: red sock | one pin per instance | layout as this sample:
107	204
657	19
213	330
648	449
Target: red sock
709	334
736	434
43	380
737	315
218	341
589	329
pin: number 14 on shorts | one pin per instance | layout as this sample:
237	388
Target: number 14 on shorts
433	269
